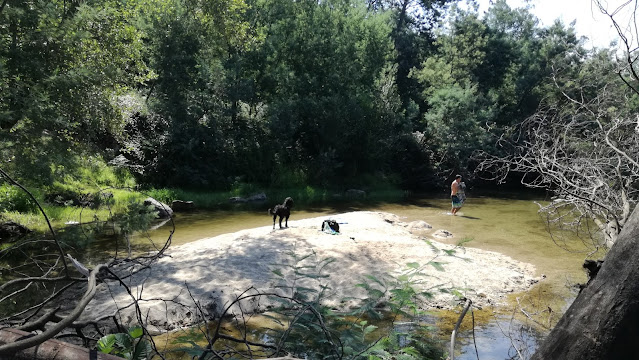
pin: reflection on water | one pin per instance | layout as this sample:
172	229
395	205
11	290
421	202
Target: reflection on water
508	226
502	338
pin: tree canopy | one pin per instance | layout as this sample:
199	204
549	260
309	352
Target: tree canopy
201	93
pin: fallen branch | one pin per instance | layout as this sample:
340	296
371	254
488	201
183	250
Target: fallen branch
50	349
58	327
457	325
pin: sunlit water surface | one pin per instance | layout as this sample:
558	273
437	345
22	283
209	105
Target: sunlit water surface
509	226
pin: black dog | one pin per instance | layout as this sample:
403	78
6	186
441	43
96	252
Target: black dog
283	211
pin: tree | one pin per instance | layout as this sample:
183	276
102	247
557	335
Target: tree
192	101
413	33
585	150
325	81
602	321
497	68
582	148
455	107
62	67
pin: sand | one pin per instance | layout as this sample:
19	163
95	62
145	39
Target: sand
212	272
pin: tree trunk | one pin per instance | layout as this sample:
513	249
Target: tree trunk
402	16
48	350
603	321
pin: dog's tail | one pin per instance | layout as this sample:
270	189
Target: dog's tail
270	212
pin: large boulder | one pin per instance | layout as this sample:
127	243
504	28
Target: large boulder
257	197
181	205
11	231
164	210
355	193
252	198
443	234
419	225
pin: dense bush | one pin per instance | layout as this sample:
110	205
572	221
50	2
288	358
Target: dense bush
14	199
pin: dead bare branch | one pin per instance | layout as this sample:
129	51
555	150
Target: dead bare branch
48	270
584	151
453	335
58	327
44	214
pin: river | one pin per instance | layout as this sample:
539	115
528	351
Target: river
510	226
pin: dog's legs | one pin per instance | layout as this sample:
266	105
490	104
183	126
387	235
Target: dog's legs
286	222
274	217
280	222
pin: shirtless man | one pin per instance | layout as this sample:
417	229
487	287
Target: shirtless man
454	188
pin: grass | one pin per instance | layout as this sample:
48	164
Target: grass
110	191
121	198
59	216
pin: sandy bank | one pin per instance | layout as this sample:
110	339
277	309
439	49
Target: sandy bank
214	271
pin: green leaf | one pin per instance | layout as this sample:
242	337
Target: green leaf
123	341
437	265
426	294
374	279
136	332
305	257
105	344
369	329
363	285
375	293
328	261
311	276
413	265
305	290
302	326
275	319
277	272
142	350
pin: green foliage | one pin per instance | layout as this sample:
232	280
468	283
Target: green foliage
166	195
280	94
62	65
89	183
333	102
14	199
198	96
130	345
285	177
135	217
244	189
486	75
378	190
464	241
455	124
314	334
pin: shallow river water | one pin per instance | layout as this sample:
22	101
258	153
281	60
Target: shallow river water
510	226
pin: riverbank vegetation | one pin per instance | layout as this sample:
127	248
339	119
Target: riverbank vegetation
226	96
